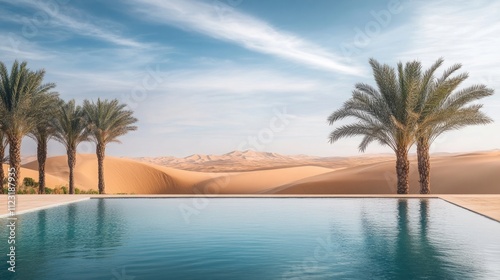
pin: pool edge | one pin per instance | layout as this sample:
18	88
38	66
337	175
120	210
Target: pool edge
44	207
484	205
487	213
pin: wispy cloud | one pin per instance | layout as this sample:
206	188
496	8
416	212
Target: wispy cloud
68	18
10	46
223	22
236	80
205	98
461	31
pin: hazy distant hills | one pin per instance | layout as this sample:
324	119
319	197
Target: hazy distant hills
252	160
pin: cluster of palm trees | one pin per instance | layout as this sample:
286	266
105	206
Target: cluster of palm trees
410	106
30	107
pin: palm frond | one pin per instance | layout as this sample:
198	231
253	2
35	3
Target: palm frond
108	120
20	95
70	125
468	95
444	107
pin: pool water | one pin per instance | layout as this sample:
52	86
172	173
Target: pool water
264	238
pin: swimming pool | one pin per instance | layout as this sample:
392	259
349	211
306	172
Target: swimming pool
255	238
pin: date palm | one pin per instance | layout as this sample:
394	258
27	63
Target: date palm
44	130
70	128
3	145
108	120
385	114
19	96
441	108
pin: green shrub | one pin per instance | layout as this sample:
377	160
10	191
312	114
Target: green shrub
77	191
32	191
48	191
64	189
91	191
29	182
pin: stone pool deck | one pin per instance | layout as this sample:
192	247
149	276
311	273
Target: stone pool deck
486	205
29	203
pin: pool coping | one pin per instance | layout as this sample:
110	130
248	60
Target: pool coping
47	206
491	212
473	203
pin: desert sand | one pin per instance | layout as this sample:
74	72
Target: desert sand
473	173
50	180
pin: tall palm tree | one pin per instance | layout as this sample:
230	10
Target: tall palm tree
19	95
108	120
384	115
3	145
43	131
70	129
442	109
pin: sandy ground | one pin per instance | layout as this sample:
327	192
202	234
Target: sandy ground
474	173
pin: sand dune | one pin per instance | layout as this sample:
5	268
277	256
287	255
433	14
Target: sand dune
253	182
475	173
122	175
128	176
451	174
50	180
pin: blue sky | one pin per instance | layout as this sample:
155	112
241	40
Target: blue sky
215	76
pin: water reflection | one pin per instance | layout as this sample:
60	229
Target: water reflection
403	253
109	227
410	253
71	224
41	228
333	239
48	238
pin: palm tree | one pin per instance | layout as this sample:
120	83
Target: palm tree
107	120
43	131
19	95
3	145
70	129
383	115
441	109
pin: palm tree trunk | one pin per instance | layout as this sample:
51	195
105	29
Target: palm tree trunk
424	165
2	174
71	164
402	170
41	153
15	158
100	151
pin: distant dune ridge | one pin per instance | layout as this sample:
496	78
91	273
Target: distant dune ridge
252	172
252	160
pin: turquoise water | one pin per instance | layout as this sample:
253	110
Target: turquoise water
227	238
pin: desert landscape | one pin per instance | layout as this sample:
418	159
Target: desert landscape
231	139
251	172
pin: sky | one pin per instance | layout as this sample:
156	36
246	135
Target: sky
210	77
